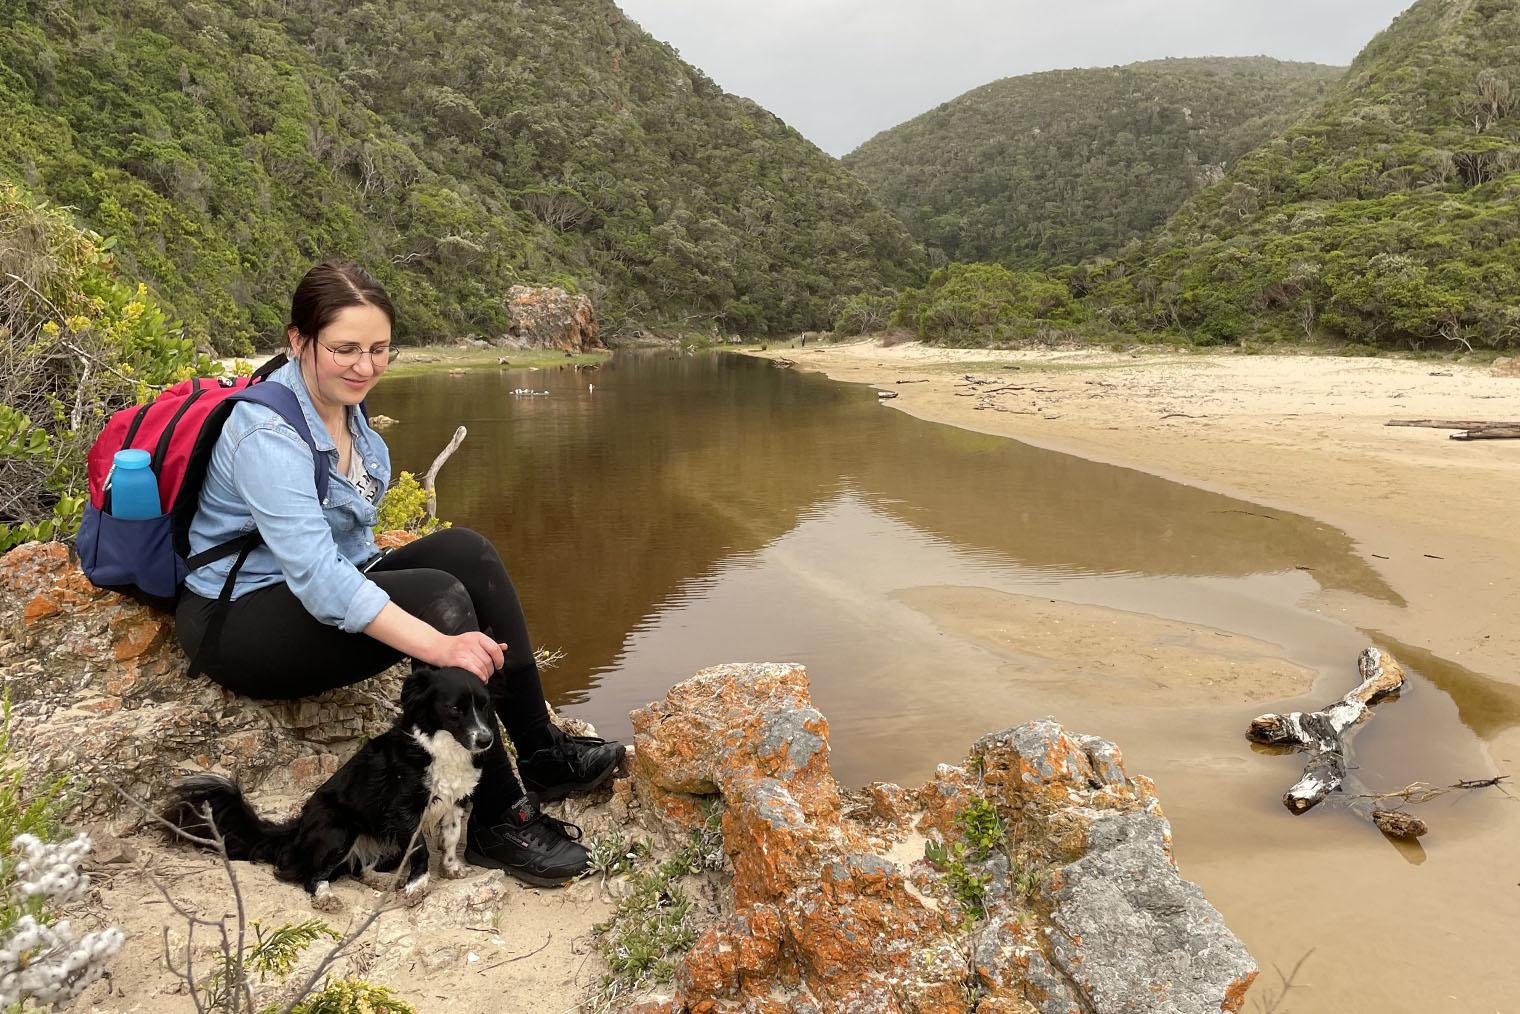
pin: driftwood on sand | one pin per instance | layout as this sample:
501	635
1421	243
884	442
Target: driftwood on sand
1473	429
1324	733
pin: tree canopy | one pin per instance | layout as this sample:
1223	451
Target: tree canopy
1388	217
454	148
1050	168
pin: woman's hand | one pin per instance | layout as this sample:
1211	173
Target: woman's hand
471	650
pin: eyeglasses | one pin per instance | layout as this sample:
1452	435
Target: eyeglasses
345	356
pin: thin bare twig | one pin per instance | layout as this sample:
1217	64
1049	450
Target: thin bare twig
508	961
98	362
1424	792
432	472
29	287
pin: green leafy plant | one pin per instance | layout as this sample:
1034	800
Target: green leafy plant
983	834
77	342
652	925
404	508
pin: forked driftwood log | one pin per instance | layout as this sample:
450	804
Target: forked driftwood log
1323	733
432	472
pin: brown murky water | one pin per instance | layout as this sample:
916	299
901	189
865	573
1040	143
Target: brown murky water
939	584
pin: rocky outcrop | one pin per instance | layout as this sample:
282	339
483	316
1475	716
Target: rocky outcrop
1052	889
1037	876
99	693
552	318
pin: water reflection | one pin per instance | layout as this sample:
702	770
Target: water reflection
619	507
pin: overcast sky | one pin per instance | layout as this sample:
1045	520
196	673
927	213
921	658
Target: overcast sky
842	70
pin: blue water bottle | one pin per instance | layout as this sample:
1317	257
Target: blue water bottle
134	488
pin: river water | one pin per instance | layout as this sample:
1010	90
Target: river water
667	512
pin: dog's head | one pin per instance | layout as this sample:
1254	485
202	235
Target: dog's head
448	700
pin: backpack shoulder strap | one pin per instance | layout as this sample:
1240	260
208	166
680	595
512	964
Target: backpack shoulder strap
283	402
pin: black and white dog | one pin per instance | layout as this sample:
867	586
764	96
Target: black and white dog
408	783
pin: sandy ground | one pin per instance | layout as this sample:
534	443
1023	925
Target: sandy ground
1432	516
484	944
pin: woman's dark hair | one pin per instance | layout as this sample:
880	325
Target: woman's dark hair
330	287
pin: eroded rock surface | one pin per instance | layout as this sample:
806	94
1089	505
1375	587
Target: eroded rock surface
834	906
98	691
552	318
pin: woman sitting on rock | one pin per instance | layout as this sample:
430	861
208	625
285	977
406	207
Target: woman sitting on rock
315	606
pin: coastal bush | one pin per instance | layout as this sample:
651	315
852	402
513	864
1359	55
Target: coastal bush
42	959
986	302
864	313
654	922
77	342
453	147
404	508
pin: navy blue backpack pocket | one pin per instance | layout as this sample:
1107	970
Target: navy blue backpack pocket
131	555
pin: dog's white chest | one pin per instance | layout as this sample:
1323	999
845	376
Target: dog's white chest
452	773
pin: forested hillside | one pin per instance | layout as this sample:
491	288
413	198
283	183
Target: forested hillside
1389	217
455	147
1050	168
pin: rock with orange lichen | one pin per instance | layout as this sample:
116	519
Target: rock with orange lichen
1081	907
550	317
99	693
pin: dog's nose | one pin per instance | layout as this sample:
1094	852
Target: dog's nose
481	738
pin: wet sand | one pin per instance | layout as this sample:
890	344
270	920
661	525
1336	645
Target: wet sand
1380	927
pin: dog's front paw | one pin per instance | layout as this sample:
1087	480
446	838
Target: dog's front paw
324	900
453	869
413	893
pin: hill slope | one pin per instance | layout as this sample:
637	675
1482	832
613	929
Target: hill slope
455	147
1390	216
1050	168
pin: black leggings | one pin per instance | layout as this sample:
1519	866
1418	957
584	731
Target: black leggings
270	647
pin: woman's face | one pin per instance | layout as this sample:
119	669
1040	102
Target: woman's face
355	330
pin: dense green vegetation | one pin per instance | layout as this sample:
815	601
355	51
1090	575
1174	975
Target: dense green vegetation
1390	217
1387	217
1051	168
454	147
77	342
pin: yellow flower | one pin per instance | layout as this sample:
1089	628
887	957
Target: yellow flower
50	328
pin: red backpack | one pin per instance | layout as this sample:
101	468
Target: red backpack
150	558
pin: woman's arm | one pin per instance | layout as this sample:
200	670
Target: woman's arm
409	635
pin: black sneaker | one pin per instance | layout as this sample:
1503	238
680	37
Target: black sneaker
530	845
572	764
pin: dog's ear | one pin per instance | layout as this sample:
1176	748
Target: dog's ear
416	690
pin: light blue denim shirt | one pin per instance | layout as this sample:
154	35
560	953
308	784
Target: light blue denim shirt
260	477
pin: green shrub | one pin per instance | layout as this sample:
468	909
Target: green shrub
404	508
986	302
864	313
77	343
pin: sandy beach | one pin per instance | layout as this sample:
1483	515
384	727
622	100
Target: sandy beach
1431	516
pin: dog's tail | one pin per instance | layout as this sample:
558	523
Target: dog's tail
246	834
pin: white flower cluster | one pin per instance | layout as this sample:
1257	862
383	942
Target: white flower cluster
46	963
51	868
